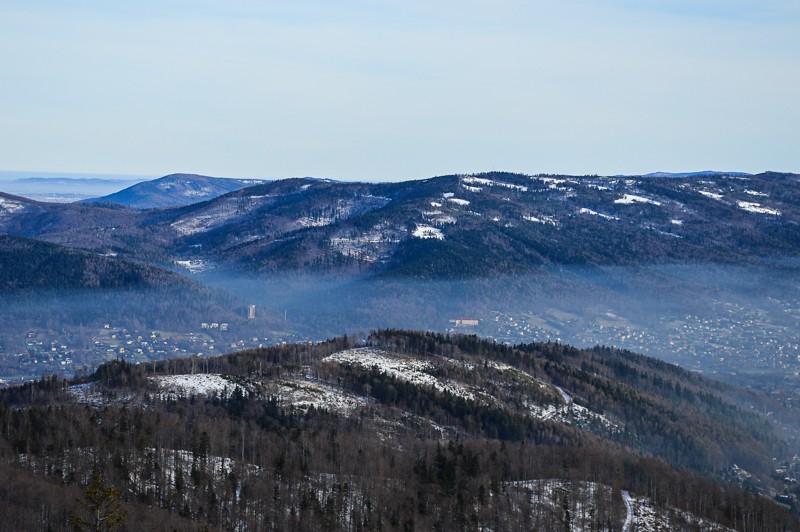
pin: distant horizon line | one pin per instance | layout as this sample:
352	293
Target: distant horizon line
15	175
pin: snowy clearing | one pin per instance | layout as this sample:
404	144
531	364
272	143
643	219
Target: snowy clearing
10	206
304	394
540	219
426	231
197	384
641	514
676	222
458	201
600	214
471	180
756	193
757	208
200	193
91	394
629	199
194	265
320	221
398	366
443	220
370	246
712	195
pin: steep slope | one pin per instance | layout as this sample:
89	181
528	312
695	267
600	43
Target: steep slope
102	227
456	226
31	265
174	190
444	227
408	430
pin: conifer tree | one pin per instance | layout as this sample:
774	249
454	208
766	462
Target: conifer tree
100	508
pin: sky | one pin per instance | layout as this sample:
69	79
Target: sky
388	90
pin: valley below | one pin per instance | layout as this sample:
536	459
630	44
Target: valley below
493	351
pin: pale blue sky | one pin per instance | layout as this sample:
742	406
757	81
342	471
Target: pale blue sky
387	90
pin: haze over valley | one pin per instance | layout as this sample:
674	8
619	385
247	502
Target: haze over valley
433	320
696	269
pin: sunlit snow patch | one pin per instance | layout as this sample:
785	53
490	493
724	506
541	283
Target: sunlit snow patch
540	219
712	195
471	180
629	199
403	368
304	395
10	206
320	221
600	214
197	384
458	201
750	206
194	266
442	220
426	231
201	193
756	193
641	513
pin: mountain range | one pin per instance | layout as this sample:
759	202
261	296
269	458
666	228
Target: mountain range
443	227
398	429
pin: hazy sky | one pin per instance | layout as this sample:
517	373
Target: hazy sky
387	90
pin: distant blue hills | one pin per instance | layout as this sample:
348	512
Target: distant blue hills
175	190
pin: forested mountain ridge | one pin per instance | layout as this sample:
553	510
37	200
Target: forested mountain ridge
400	431
456	226
174	190
447	226
27	264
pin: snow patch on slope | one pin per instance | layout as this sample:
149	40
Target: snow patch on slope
403	368
600	214
305	394
197	384
541	219
712	195
751	206
320	221
458	201
10	206
629	199
194	265
91	393
426	231
211	217
471	180
641	513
